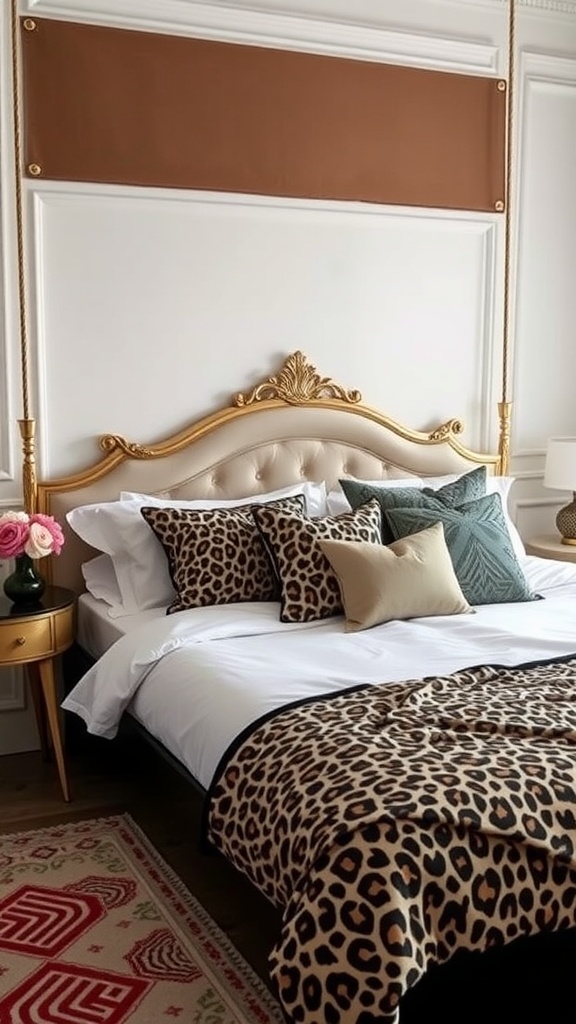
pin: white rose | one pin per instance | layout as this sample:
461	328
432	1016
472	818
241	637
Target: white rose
14	517
40	541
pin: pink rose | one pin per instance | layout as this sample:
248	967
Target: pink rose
13	536
54	529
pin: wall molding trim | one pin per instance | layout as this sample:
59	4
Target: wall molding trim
12	695
546	67
565	7
47	196
312	34
235	19
538	503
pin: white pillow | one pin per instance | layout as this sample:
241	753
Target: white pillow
117	529
101	581
314	498
337	501
501	485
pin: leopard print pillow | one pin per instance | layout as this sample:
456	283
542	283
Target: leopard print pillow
309	586
216	556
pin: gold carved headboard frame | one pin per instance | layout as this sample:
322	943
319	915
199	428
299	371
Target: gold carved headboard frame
293	382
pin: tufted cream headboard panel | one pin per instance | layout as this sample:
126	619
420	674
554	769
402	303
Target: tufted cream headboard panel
250	450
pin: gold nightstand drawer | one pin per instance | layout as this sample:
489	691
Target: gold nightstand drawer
26	640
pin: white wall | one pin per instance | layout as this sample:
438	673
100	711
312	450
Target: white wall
149	307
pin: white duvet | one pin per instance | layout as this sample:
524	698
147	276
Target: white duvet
196	679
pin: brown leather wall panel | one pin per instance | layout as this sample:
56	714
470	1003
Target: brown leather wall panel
115	105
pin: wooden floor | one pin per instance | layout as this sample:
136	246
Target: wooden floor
527	983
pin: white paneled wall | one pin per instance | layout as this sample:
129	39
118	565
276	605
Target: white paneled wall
545	367
17	727
142	293
545	334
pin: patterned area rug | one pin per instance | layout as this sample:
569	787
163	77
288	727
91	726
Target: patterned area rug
95	928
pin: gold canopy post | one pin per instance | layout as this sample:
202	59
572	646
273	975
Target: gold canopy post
505	403
27	424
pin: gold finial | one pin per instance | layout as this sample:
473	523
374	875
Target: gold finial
27	433
297	382
504	410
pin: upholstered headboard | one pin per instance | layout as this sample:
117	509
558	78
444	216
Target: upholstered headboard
292	427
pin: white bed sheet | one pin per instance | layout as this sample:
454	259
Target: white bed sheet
96	631
196	679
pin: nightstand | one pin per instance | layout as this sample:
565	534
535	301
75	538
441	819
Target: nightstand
549	546
33	637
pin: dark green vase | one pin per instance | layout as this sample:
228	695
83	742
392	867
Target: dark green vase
24	586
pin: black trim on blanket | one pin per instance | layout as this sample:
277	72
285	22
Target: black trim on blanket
205	845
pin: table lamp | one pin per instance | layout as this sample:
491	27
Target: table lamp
560	473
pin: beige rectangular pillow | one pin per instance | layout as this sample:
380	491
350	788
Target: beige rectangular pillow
407	579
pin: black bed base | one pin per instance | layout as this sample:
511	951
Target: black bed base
530	981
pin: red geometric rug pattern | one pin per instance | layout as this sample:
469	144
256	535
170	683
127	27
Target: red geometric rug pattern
95	928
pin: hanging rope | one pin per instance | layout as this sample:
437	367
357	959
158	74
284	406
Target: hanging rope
508	217
19	214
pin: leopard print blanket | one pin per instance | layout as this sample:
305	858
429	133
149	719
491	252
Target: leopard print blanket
399	823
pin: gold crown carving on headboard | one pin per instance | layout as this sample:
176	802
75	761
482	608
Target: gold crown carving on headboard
297	382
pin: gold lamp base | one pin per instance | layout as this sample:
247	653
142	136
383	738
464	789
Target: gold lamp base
566	522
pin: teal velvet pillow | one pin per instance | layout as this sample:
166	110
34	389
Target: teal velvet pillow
466	488
479	544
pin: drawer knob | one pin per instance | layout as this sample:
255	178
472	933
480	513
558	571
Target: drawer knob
20	640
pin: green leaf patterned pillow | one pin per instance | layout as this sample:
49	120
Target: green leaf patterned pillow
466	488
479	544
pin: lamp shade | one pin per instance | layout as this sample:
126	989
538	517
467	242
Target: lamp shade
560	467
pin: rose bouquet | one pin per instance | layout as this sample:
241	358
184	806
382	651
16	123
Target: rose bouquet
34	535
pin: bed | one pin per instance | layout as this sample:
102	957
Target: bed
394	765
